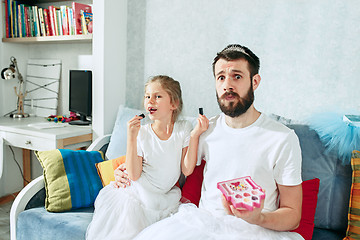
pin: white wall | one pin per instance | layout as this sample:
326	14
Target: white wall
308	50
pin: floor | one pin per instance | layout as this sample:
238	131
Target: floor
5	221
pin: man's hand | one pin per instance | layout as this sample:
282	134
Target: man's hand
121	178
253	217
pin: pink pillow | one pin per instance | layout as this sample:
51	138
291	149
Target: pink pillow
191	191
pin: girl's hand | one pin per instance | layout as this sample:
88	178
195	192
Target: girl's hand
201	126
121	178
133	127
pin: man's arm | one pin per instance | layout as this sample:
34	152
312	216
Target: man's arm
285	218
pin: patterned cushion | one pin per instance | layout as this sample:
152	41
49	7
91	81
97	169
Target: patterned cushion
71	180
353	230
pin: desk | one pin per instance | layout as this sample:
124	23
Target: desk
17	133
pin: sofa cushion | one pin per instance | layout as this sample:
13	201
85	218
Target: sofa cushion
106	169
335	179
353	230
37	223
310	197
71	179
191	190
117	145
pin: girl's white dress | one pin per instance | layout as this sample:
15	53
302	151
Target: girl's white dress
121	213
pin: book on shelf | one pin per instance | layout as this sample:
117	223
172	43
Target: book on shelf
42	22
64	20
23	20
352	119
86	22
78	9
47	22
6	14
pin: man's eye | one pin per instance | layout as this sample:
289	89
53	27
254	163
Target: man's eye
238	77
221	78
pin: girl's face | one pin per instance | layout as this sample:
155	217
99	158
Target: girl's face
157	102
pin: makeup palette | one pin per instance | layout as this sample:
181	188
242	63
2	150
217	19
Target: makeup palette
242	192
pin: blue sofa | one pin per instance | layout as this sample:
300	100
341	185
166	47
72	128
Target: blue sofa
29	219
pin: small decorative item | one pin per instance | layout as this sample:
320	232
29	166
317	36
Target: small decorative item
337	135
12	72
242	192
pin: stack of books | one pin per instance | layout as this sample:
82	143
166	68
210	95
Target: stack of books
22	20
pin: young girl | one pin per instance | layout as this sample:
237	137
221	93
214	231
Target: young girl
155	156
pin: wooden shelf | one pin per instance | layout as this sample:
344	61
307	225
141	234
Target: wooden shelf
51	39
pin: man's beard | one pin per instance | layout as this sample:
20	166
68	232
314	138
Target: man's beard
236	108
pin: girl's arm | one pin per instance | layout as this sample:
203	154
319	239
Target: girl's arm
189	157
133	161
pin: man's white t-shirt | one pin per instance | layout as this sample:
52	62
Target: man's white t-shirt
267	151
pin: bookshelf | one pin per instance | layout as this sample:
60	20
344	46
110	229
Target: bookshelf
41	29
51	39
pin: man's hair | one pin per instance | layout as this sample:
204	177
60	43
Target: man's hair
171	87
236	51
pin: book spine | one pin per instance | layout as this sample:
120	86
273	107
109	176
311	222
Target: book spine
23	20
70	20
52	20
59	22
18	10
37	21
83	23
14	19
31	22
42	22
34	14
47	22
64	20
11	18
6	8
27	21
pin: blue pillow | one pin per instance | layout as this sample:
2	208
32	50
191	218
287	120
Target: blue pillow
117	145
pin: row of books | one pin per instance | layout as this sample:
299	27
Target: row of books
22	20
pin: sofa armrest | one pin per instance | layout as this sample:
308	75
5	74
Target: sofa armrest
99	143
22	200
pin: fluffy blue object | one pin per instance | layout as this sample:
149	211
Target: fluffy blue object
336	134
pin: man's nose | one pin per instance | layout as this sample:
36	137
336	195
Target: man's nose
228	84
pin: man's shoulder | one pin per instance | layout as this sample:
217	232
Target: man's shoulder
274	125
214	119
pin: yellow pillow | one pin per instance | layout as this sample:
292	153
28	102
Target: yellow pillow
353	230
106	169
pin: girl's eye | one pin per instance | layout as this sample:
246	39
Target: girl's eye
237	77
158	96
147	97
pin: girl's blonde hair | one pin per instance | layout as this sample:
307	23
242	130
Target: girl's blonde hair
171	87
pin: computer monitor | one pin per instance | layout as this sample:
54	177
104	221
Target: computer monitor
80	95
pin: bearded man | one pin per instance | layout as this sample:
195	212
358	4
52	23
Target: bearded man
241	141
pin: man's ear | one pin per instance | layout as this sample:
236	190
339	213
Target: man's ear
256	81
